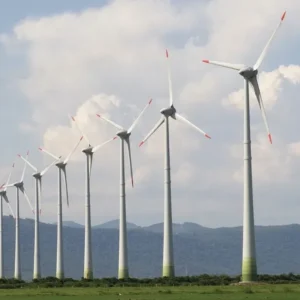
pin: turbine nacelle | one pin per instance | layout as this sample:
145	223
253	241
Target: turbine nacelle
169	112
248	73
61	165
37	175
19	184
123	134
88	150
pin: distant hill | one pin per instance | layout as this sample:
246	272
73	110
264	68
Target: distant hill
114	224
188	228
197	249
71	224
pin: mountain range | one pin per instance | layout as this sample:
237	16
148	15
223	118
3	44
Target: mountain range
197	249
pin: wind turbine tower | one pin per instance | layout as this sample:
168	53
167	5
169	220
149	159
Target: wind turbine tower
3	195
38	189
167	113
19	185
88	151
249	266
124	136
61	166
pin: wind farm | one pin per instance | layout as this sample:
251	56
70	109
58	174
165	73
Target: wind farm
127	221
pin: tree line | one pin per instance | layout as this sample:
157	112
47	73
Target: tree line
201	280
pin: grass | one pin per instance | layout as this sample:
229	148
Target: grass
263	292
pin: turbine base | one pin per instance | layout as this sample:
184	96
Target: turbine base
168	271
123	273
36	276
88	274
60	275
249	270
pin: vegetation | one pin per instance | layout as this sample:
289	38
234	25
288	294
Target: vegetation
272	292
188	281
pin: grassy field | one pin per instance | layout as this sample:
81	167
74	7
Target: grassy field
263	292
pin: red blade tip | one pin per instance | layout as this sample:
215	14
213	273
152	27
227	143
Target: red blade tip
283	16
141	143
81	138
98	115
167	53
150	101
270	138
73	118
115	137
40	148
19	155
206	135
132	181
205	61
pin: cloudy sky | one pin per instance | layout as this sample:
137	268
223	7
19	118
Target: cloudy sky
88	57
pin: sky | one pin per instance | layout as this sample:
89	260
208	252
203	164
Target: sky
108	57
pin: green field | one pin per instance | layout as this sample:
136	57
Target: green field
263	292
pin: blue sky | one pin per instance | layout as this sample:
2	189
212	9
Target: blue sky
110	59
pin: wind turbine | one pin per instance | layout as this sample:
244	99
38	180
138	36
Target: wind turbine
61	166
124	136
88	151
168	259
19	185
38	190
249	266
3	195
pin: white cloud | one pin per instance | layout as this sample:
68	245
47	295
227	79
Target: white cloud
111	60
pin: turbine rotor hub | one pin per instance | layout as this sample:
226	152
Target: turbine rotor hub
37	175
88	150
169	112
248	73
18	184
123	134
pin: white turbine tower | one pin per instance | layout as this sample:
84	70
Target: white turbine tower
249	266
124	136
38	190
89	151
19	185
168	259
61	166
3	195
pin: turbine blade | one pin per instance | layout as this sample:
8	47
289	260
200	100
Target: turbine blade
9	176
96	148
265	50
256	88
138	118
49	153
7	185
224	64
49	166
24	168
40	193
28	163
184	120
91	164
110	122
73	150
130	159
22	189
66	183
79	129
169	78
8	204
156	126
